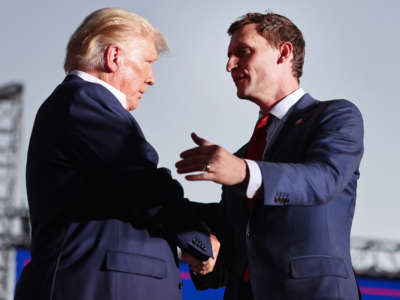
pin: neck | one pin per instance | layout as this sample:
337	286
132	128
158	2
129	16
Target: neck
269	100
109	78
100	75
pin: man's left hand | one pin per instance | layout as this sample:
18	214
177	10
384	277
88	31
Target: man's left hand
215	163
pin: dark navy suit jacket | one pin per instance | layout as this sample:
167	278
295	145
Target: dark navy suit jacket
105	220
297	236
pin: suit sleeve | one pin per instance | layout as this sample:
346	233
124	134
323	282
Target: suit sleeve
121	173
116	162
214	215
331	158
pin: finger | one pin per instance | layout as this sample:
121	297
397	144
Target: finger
203	272
192	168
202	176
206	270
192	152
205	263
200	141
192	161
201	150
196	269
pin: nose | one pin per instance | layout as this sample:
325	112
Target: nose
232	63
150	80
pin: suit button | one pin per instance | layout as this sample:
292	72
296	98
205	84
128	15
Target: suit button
281	200
251	236
180	285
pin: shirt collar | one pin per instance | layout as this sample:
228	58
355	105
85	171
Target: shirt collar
282	107
90	78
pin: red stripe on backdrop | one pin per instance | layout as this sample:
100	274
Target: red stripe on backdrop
185	276
379	292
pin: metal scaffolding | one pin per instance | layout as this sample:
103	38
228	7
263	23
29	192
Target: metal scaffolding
376	258
14	228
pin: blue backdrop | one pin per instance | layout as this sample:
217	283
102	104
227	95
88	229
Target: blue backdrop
371	288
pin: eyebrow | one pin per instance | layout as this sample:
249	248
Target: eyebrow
239	46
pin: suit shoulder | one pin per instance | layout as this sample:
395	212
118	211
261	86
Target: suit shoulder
341	115
82	90
94	99
336	108
340	104
66	93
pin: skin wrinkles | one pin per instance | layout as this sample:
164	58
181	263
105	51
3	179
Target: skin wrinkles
129	68
137	70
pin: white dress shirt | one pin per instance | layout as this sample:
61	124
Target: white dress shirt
116	92
279	111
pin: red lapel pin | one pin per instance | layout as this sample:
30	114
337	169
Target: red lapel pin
299	121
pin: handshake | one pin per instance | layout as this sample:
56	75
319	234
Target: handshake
214	164
203	267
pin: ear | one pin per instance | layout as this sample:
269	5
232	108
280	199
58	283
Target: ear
112	58
286	52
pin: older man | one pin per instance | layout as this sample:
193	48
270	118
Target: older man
105	220
289	194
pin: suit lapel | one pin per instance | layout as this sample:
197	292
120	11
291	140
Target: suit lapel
108	101
102	95
242	151
293	117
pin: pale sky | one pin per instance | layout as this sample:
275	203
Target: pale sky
351	52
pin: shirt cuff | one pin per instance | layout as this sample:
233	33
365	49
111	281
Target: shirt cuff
255	178
179	252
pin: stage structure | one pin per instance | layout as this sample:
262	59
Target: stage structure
14	226
376	258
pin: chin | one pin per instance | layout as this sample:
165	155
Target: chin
241	94
243	91
132	107
132	104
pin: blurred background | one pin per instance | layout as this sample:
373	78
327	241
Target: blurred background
351	52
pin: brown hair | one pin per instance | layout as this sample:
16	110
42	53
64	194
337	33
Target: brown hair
104	27
276	29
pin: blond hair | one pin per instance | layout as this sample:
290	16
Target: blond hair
101	28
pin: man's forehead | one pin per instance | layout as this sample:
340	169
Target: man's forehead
246	35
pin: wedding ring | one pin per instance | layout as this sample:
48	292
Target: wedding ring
207	168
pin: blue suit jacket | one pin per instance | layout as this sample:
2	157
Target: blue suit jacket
297	237
105	220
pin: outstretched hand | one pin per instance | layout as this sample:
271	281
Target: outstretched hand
213	162
203	267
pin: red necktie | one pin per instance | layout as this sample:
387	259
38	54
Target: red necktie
255	152
257	145
257	141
